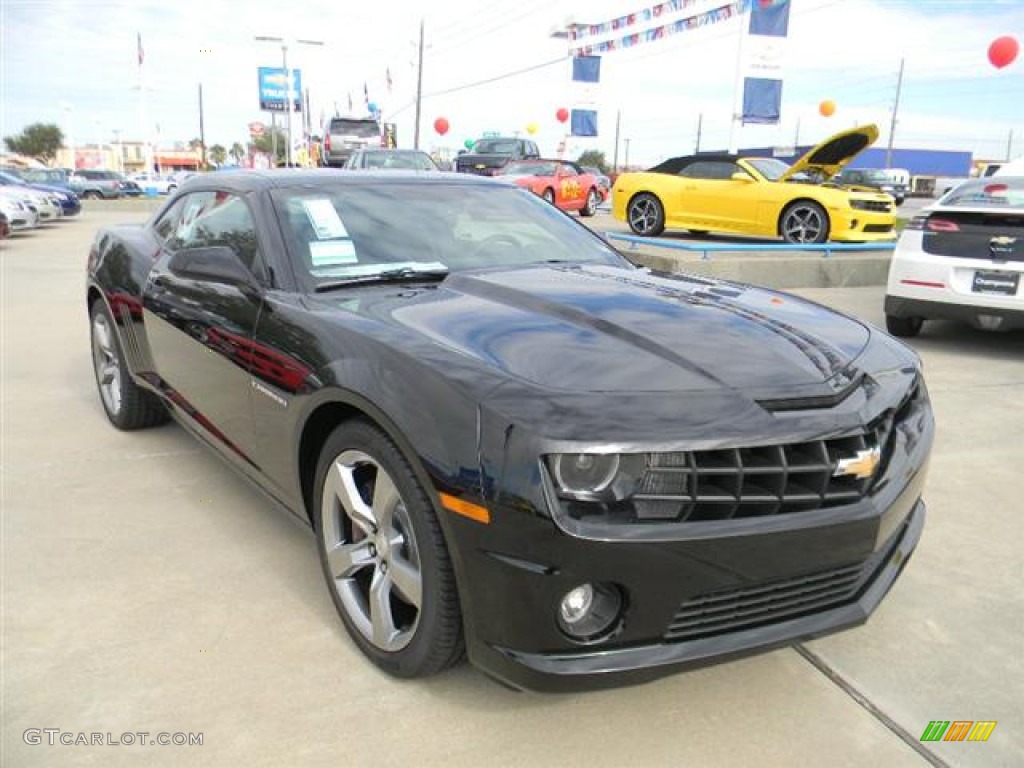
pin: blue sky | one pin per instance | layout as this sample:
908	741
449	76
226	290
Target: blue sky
74	62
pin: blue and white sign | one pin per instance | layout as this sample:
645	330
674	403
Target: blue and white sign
274	90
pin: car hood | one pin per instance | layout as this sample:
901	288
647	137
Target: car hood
602	328
833	154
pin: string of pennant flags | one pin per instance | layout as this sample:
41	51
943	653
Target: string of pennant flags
580	31
706	18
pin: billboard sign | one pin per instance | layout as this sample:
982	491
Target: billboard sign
274	91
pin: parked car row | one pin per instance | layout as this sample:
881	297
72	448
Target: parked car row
26	205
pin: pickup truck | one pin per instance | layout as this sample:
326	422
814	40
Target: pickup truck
488	156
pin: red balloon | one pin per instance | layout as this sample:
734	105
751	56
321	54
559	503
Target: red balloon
1003	51
441	126
562	114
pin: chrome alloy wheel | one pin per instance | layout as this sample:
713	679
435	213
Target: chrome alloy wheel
371	551
804	224
106	363
645	216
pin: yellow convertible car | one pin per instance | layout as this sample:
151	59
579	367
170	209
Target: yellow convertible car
760	196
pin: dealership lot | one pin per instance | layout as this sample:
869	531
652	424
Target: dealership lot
148	588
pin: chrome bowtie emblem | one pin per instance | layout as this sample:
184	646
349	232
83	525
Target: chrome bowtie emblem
862	465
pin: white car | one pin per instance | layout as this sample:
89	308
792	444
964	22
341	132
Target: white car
19	215
962	258
163	185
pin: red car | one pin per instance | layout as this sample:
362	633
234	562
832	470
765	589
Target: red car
560	182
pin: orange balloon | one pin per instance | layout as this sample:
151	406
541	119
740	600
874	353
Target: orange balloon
827	108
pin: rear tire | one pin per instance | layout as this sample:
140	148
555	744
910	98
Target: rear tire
384	555
91	194
904	327
127	405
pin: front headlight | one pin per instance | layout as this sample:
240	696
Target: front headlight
596	476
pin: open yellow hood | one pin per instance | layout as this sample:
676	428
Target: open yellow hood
829	157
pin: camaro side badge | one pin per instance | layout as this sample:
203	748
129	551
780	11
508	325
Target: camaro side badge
860	466
269	393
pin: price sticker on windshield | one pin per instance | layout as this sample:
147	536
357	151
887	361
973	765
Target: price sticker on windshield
325	220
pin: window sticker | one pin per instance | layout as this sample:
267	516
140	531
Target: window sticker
330	253
325	220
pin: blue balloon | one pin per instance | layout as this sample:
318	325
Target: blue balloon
372	106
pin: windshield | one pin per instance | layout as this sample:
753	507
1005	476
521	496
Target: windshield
40	176
415	161
364	129
994	192
346	231
768	167
876	176
496	147
529	169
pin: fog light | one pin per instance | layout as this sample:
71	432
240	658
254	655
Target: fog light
589	611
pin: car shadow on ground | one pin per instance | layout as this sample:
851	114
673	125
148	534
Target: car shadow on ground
969	342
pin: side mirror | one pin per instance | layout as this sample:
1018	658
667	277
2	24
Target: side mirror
215	263
463	151
741	176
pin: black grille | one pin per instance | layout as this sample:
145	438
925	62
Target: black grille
874	205
747	482
878	227
738	609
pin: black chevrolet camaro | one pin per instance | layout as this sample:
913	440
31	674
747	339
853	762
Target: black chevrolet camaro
509	441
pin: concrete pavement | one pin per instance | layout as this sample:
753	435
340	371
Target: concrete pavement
145	587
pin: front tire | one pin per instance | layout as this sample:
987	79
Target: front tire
804	222
904	327
549	196
590	208
91	194
646	215
127	405
384	556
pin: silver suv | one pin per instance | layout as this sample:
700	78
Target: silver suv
344	135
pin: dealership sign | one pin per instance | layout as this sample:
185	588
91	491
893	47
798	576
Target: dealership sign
273	89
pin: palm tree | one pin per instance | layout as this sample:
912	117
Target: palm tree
218	154
237	152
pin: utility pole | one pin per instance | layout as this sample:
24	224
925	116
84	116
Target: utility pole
796	138
202	130
700	125
895	109
419	91
615	160
625	163
1009	146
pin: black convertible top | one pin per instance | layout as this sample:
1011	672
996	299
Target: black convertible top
675	164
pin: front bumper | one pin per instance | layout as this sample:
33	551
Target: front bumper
789	576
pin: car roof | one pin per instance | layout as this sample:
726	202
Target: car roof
245	181
676	164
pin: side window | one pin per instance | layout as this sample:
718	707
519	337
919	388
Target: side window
569	170
710	169
168	223
217	218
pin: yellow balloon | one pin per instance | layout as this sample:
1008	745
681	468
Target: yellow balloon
531	128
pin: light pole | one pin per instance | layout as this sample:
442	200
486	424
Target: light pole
68	114
289	102
120	150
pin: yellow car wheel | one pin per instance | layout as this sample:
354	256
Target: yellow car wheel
804	222
646	215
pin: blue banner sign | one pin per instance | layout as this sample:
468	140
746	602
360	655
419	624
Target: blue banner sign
274	90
